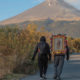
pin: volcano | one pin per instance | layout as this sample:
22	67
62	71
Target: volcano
53	9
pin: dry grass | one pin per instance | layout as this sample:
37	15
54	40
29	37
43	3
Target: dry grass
16	49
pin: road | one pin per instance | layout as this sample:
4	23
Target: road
71	70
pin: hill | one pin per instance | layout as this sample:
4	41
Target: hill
53	9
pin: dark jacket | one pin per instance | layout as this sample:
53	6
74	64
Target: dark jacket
45	55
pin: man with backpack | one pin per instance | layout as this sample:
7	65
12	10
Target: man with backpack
59	62
43	50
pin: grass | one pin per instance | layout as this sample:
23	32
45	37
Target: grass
13	76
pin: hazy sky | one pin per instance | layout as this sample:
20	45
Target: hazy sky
9	8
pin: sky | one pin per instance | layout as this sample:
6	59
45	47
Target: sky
10	8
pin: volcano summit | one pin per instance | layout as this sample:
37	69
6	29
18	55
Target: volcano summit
53	9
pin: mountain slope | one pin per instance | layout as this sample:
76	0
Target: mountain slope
54	9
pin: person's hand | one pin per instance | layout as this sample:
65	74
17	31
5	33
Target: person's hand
32	59
67	59
49	59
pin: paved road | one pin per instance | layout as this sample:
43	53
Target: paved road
71	70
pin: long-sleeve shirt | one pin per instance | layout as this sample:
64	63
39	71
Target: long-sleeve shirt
47	51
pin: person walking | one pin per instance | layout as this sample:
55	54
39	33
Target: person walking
43	50
59	63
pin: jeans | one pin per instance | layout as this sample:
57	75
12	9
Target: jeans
58	65
43	64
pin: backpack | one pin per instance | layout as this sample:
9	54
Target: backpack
42	48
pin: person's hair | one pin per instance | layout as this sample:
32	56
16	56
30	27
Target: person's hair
43	38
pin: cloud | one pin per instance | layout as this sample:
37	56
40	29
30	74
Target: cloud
38	0
75	3
72	1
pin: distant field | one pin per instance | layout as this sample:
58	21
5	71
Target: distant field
71	28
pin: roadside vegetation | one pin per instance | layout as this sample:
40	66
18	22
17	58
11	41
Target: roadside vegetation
16	50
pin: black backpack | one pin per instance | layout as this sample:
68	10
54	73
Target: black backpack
42	48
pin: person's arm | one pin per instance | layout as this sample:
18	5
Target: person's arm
35	52
67	53
48	48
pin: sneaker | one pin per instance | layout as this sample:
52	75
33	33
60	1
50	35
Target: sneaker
41	78
55	77
58	78
44	77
